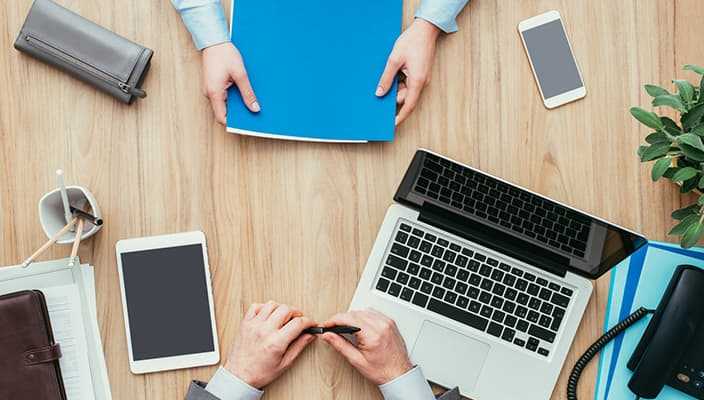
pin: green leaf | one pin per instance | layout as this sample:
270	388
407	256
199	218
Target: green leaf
692	140
695	68
691	152
656	151
701	182
693	117
649	119
670	124
700	200
669	100
660	167
685	211
688	185
684	174
686	90
657	137
686	222
692	235
698	130
655	90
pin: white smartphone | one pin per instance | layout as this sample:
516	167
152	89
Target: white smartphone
551	59
167	302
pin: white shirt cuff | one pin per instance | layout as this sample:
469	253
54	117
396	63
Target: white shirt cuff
409	386
226	386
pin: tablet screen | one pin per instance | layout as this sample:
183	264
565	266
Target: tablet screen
167	302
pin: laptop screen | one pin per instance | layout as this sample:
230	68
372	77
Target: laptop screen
513	220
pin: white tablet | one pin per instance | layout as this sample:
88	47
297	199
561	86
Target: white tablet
167	302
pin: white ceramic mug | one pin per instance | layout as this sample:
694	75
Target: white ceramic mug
52	217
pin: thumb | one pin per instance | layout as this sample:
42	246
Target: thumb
342	346
296	348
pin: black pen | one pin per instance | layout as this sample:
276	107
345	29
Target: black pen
88	217
340	329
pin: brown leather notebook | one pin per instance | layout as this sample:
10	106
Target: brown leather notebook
29	358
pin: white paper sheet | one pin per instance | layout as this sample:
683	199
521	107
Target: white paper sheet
67	324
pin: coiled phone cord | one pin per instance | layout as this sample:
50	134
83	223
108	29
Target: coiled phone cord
598	345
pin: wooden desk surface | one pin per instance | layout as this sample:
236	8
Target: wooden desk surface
295	221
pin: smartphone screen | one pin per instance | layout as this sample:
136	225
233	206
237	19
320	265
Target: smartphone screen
552	59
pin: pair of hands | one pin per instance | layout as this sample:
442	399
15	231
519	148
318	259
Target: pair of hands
412	55
271	338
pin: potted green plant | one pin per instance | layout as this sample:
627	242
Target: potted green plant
677	149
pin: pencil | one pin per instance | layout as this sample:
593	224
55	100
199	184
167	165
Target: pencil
48	244
76	242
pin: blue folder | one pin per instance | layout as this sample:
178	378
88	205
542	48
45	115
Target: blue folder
314	66
638	281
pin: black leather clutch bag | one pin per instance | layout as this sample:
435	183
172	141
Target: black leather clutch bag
85	50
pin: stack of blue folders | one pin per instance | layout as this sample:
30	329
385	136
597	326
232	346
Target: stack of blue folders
638	281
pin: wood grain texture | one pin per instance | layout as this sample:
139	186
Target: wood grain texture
295	221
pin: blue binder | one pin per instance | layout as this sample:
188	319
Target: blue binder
637	281
314	66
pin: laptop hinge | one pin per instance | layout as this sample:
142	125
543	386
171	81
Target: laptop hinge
493	238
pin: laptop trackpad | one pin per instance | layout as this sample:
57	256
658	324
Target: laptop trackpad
448	357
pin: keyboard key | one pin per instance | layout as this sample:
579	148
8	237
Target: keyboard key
467	252
544	321
494	329
511	294
479	257
462	302
522	325
532	344
388	273
473	265
521	284
498	289
425	273
430	237
426	260
437	278
517	272
541	333
382	284
415	256
534	303
449	256
449	283
529	277
418	232
486	311
475	306
543	352
497	302
498	316
523	299
566	291
533	289
509	280
554	287
396	262
542	281
443	242
462	287
451	297
485	270
439	265
473	292
450	270
546	308
426	246
485	297
510	321
455	247
509	307
405	228
426	288
400	250
463	275
560	300
458	315
420	299
505	267
508	335
407	294
497	275
475	280
487	284
437	251
461	261
395	289
545	294
519	342
533	316
402	278
415	283
413	269
439	292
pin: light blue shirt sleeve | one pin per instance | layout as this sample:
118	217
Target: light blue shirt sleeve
205	19
409	386
226	386
441	13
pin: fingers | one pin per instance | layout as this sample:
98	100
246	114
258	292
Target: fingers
393	64
266	310
402	92
295	327
241	79
342	346
252	311
217	101
349	318
296	348
415	87
280	316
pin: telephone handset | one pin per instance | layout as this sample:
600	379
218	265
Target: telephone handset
671	350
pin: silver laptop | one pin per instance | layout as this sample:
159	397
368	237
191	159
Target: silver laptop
487	281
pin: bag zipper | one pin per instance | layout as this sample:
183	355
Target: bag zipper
97	73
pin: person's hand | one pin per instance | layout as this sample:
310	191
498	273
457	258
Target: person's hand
413	55
270	339
380	354
223	66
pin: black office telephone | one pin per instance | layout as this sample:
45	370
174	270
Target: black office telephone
671	351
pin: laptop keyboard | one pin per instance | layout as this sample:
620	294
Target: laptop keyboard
492	296
489	199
